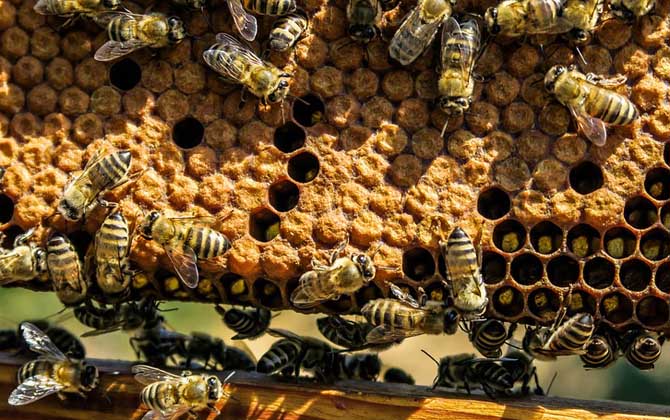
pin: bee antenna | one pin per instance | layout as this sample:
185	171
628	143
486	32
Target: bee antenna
300	100
431	357
581	57
444	127
376	251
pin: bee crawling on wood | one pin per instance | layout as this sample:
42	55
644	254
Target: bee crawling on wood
293	353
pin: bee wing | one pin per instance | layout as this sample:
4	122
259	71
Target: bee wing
231	70
42	7
403	296
33	389
173	413
278	332
593	128
383	334
468	53
112	50
146	375
184	262
107	330
244	22
103	18
39	342
303	296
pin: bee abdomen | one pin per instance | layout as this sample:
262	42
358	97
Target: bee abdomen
206	243
489	338
612	108
239	321
33	368
495	375
280	355
286	31
598	354
270	7
574	334
112	168
158	396
644	352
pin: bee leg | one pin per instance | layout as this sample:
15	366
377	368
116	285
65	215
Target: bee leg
212	407
538	388
338	251
133	344
62	396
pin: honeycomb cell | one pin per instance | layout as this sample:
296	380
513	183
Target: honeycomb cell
308	110
616	307
586	177
283	195
640	213
436	291
546	237
652	311
563	271
544	303
508	301
303	167
493	203
235	287
6	209
9	235
264	224
289	137
367	293
599	273
526	269
657	183
579	302
494	267
188	133
509	236
267	293
125	74
662	277
418	264
655	244
666	153
583	240
619	242
635	275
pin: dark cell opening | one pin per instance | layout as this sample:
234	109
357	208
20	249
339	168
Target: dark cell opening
662	279
640	213
563	271
586	177
303	167
655	244
526	269
308	110
268	294
544	303
284	195
342	305
583	240
6	208
367	293
657	183
666	153
509	236
599	273
10	235
235	287
546	237
289	137
616	307
188	133
635	275
652	311
665	215
580	301
418	264
619	242
494	267
125	74
263	225
508	301
81	240
493	203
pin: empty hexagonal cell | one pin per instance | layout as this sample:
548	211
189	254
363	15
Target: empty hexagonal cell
303	167
289	137
652	311
580	301
546	237
563	271
619	242
235	287
493	203
283	195
308	110
188	133
657	183
125	74
263	224
508	301
367	293
640	213
583	240
655	244
544	303
509	236
526	269
340	306
6	208
9	235
494	267
267	293
599	273
635	275
418	264
616	308
662	277
586	177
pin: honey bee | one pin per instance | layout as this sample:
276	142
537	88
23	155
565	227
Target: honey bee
65	270
418	30
169	396
215	354
590	101
68	8
583	15
463	275
631	9
601	351
101	174
287	30
520	366
248	324
398	376
237	64
126	316
568	338
642	349
110	255
24	262
345	275
488	336
52	372
514	18
364	17
396	319
184	242
270	7
292	353
348	334
341	367
129	32
460	47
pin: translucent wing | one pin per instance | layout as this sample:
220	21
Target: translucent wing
383	334
146	375
112	50
103	18
421	33
312	291
606	82
173	413
42	7
278	332
244	22
449	31
184	262
8	260
39	342
593	128
33	389
107	330
403	296
230	58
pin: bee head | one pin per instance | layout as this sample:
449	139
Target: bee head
281	90
362	33
146	228
451	318
453	105
491	18
40	256
72	205
176	30
89	377
111	4
553	75
365	265
214	389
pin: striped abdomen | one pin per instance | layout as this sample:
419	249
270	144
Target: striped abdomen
492	375
111	254
122	28
644	352
270	7
393	315
599	353
572	336
460	258
609	106
418	30
65	270
286	31
97	318
542	15
34	368
247	324
281	354
160	396
111	169
488	337
207	243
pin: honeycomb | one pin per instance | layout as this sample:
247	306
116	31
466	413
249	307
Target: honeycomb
358	157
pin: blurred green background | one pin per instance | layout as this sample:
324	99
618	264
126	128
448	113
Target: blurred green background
620	382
